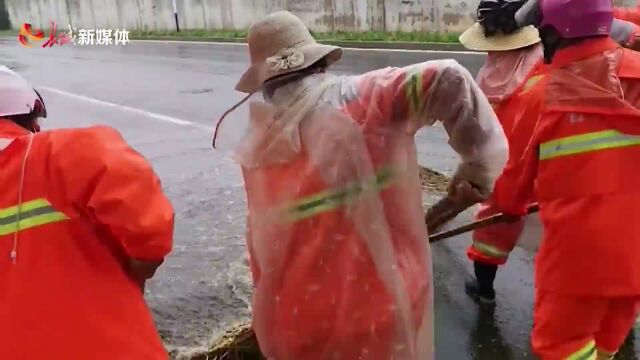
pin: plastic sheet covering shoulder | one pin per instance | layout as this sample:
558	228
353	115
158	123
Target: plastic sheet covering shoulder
335	210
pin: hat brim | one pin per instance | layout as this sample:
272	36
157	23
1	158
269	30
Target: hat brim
259	73
473	39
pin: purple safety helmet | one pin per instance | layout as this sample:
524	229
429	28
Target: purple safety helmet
571	18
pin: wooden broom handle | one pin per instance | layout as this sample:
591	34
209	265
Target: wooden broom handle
478	224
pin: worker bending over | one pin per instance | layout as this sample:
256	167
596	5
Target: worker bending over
337	239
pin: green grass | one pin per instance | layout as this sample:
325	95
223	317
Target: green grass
8	32
378	36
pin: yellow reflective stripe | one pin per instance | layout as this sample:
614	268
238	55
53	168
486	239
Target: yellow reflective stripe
32	222
32	214
490	250
332	199
531	83
414	91
577	144
27	206
586	353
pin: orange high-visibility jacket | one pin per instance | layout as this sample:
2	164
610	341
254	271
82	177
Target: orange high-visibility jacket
584	160
493	244
89	202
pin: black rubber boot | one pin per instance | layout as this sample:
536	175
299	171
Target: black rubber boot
481	289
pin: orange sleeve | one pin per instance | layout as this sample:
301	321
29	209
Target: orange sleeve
514	188
116	188
627	14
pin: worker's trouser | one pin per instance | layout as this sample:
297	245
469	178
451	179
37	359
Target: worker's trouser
493	244
569	327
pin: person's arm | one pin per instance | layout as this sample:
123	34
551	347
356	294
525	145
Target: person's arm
515	187
117	189
421	94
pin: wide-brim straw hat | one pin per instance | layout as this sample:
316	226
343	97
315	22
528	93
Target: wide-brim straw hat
280	44
473	39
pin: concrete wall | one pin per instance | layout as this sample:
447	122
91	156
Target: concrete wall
319	15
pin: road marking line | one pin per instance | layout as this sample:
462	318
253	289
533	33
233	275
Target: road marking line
346	48
159	117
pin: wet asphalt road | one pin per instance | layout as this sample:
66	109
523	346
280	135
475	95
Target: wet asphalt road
204	286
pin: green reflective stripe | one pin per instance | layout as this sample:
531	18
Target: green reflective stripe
578	144
27	206
414	91
332	199
490	250
33	213
586	353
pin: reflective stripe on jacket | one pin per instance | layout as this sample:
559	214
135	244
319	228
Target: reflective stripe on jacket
583	161
89	202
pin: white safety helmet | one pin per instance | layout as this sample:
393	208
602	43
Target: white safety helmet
17	96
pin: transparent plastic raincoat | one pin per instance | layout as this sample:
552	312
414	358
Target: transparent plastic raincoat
336	234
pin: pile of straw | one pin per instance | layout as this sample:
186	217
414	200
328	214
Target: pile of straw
433	181
240	342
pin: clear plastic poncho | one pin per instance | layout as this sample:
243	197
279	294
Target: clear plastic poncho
336	234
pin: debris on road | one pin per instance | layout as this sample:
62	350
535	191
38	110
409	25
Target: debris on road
433	181
239	343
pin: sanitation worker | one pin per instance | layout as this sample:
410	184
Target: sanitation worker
514	64
83	223
582	159
336	233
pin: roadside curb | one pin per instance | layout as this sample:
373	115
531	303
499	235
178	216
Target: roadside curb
341	43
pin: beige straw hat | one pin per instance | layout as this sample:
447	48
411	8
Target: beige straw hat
280	44
474	39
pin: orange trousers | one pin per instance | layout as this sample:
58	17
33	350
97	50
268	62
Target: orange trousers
577	327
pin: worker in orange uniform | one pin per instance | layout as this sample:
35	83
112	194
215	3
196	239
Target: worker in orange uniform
83	223
582	158
337	239
514	63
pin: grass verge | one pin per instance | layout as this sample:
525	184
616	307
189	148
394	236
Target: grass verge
374	36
